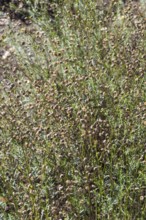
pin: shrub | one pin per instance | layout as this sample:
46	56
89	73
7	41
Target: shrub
72	132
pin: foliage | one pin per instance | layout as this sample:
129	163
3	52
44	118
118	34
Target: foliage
72	115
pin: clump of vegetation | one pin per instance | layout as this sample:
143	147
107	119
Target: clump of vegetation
23	9
72	115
